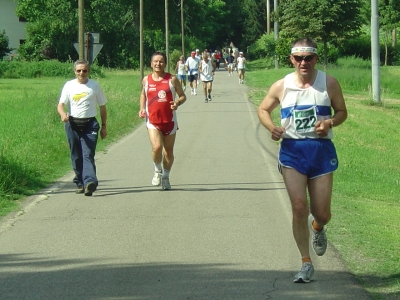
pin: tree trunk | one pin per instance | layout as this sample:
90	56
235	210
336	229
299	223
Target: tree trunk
268	16
394	37
386	46
325	54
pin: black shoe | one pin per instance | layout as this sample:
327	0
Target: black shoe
79	190
90	188
206	100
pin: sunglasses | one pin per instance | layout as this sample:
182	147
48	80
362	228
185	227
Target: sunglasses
306	58
81	71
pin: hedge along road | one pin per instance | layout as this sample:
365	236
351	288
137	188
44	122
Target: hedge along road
222	232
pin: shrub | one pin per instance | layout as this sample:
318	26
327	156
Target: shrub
173	58
357	47
264	47
47	68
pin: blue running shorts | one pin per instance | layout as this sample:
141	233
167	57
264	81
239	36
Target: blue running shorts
311	157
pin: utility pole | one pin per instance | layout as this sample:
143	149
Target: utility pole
166	35
141	41
81	49
268	17
276	33
376	89
182	33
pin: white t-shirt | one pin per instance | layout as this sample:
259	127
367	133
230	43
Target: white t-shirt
82	98
193	65
240	62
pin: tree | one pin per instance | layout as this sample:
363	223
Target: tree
389	19
4	42
323	20
53	27
254	15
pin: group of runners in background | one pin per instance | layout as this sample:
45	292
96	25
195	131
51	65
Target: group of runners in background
200	66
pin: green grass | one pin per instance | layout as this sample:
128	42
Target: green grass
33	145
365	207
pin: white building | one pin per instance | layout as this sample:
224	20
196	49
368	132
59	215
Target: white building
13	25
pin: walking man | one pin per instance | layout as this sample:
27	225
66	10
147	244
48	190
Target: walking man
192	67
307	156
82	96
158	105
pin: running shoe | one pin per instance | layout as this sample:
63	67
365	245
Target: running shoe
165	184
206	100
156	178
194	93
191	91
319	240
209	98
305	274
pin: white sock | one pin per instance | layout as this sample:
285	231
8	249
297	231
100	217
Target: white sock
166	173
157	168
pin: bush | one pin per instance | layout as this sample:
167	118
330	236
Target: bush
357	47
264	47
283	51
47	68
393	55
173	58
353	62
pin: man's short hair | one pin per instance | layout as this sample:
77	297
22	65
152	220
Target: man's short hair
81	62
159	53
304	41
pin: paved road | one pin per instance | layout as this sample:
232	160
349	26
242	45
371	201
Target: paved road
223	232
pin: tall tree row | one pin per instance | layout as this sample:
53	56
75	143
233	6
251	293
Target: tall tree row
53	24
53	27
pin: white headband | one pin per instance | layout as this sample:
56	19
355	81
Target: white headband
304	49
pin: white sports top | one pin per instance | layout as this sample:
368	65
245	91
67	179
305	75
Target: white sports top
206	71
302	108
240	62
181	68
82	98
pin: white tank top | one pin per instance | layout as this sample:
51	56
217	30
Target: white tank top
302	108
181	68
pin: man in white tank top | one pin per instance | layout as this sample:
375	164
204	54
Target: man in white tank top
307	156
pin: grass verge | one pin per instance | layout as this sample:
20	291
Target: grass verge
33	145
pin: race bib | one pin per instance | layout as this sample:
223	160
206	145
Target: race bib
305	119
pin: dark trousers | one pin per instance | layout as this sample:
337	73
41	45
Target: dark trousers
82	145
